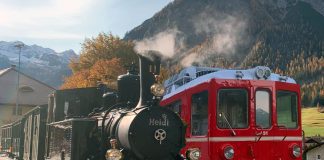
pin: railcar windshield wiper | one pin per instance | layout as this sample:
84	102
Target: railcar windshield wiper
223	115
284	127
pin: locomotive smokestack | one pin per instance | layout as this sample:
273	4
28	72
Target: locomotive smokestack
149	67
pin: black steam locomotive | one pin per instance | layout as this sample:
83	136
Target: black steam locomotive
98	123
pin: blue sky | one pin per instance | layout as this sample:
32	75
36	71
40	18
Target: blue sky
64	24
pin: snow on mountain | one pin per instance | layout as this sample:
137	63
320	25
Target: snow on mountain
68	54
35	54
42	63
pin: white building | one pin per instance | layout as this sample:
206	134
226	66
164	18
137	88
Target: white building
30	94
316	152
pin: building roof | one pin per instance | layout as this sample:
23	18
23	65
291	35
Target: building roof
4	71
313	147
312	140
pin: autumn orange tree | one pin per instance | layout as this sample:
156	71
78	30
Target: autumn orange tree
102	58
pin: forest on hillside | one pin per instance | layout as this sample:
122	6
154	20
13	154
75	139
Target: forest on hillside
288	37
106	56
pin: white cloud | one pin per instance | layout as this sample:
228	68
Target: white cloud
60	24
47	19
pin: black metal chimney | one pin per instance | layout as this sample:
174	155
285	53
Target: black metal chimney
149	67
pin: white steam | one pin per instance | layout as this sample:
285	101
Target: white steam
189	59
224	33
164	42
227	32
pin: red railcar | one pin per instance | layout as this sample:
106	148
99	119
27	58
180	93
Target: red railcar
237	114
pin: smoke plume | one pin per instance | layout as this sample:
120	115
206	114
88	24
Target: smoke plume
167	43
225	33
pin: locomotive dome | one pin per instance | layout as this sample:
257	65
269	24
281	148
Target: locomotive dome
192	76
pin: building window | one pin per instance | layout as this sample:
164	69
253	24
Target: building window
199	114
26	89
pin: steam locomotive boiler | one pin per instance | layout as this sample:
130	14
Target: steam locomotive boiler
134	128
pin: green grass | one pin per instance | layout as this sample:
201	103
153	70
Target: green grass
313	122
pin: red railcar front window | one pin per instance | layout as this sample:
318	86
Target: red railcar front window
232	108
199	114
262	109
287	113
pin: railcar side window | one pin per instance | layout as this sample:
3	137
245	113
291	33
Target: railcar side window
262	109
199	114
175	107
287	114
232	108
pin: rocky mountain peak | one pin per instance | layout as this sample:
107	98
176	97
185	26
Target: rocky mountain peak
227	28
44	64
285	35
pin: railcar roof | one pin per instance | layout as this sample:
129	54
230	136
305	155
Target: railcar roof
193	76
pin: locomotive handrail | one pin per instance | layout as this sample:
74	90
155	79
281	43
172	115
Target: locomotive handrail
184	78
303	144
260	134
180	82
104	119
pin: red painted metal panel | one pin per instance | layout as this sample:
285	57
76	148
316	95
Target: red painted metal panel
253	142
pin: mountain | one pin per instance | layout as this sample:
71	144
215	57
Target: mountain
286	35
44	64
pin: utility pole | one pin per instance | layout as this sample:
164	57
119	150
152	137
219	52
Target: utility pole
20	45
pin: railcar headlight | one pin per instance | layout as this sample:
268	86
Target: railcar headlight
228	152
157	89
267	73
193	154
114	154
296	151
259	72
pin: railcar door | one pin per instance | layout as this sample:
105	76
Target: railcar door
197	131
264	135
231	135
288	121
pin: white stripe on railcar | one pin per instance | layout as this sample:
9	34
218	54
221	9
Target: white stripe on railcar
243	139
